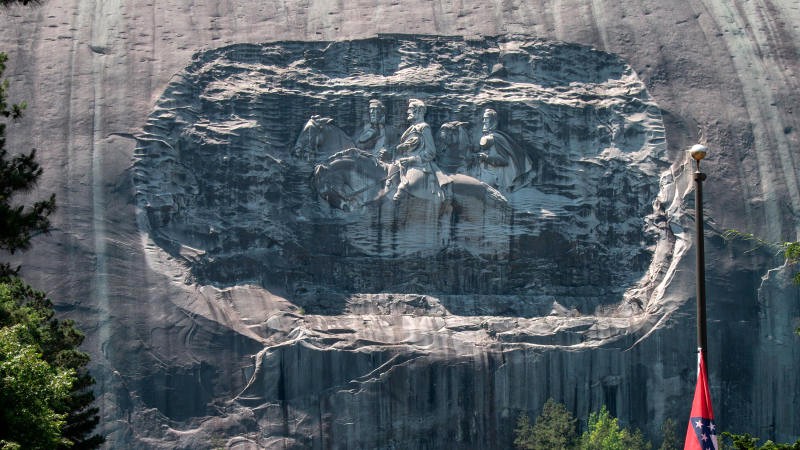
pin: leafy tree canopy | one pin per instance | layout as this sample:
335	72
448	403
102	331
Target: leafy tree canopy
46	389
56	343
32	391
604	433
554	429
669	437
744	441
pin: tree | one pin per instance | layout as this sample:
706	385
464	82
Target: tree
57	342
523	434
554	429
53	342
791	251
32	392
604	433
744	441
18	174
669	438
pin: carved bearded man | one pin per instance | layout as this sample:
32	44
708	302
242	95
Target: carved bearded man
502	164
375	135
418	175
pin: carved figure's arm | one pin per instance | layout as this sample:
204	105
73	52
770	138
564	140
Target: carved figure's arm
489	154
493	159
409	144
428	151
367	134
418	145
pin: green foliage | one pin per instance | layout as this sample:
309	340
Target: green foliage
737	441
523	434
604	433
791	251
669	437
35	388
554	429
32	392
730	441
18	174
57	342
30	311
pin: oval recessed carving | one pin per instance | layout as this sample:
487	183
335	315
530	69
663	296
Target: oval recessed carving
300	166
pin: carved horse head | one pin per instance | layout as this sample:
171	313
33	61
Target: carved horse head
320	138
454	145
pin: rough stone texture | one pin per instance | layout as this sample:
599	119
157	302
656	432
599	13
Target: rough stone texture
220	188
185	360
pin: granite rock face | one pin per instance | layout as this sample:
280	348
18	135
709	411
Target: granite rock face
231	299
402	291
221	187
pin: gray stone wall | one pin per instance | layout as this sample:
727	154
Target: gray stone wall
185	359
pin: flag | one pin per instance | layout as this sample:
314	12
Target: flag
701	434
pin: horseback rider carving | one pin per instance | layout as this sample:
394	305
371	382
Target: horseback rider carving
414	171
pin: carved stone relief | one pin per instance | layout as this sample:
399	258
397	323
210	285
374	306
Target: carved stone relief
495	167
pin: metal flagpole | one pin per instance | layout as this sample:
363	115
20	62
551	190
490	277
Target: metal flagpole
698	152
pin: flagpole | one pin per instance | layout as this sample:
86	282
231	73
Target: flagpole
698	152
701	433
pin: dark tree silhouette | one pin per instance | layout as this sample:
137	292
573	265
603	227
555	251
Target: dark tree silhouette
56	341
18	174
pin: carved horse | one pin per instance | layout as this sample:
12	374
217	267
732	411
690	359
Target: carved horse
350	178
320	138
354	178
455	152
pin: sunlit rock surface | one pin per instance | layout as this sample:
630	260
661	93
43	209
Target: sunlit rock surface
378	291
197	341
